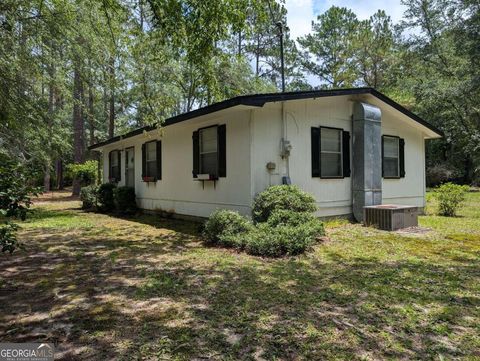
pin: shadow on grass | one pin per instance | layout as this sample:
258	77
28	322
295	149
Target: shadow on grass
116	298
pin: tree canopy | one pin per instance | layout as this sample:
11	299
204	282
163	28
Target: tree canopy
76	72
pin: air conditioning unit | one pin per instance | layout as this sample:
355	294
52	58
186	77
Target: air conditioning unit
390	217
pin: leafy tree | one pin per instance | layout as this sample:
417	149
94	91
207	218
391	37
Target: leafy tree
329	49
443	80
374	50
15	202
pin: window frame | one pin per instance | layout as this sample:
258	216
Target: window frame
115	176
340	130
200	170
132	148
146	175
398	176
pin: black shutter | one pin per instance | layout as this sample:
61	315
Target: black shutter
196	154
315	132
383	142
222	150
346	153
144	161
159	159
118	178
110	175
401	152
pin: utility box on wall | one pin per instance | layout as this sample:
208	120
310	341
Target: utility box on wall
390	217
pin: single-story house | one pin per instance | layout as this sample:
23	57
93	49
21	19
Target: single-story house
349	148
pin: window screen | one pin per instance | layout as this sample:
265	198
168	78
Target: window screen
115	165
391	157
331	152
151	159
208	151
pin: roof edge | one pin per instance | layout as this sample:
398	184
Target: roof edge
259	100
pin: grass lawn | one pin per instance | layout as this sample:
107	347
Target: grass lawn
104	288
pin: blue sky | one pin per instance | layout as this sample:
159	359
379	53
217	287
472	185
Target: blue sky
302	12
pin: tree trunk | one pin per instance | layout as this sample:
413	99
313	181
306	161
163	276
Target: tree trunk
50	115
111	118
59	173
239	43
78	125
257	57
91	118
46	177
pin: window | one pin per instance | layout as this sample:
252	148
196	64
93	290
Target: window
114	175
331	158
391	157
151	159
208	151
130	167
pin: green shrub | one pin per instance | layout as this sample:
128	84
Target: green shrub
450	198
226	228
105	197
8	237
282	240
282	217
125	200
88	196
286	197
86	172
15	201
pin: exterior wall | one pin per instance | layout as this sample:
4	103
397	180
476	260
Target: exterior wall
253	140
409	190
177	191
334	196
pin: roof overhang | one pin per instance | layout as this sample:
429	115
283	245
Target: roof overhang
259	100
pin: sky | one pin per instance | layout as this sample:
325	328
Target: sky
302	12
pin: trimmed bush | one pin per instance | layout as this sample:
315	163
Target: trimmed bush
125	200
105	197
450	198
88	196
226	228
284	239
286	197
282	217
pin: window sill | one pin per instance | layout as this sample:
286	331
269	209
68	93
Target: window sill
206	177
149	179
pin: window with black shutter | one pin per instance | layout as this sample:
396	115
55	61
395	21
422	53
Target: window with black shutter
330	149
209	152
331	158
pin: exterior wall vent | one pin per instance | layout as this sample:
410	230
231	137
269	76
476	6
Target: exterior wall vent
391	217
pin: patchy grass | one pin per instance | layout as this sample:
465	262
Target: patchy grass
146	288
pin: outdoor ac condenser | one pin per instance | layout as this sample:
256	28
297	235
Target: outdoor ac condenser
390	217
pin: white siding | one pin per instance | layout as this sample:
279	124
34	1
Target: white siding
253	140
177	191
409	190
333	195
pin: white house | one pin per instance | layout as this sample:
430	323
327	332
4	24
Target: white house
349	148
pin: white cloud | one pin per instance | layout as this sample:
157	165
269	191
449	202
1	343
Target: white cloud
302	12
299	17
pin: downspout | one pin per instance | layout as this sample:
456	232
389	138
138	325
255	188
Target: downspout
285	147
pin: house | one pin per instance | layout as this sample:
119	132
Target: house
349	148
